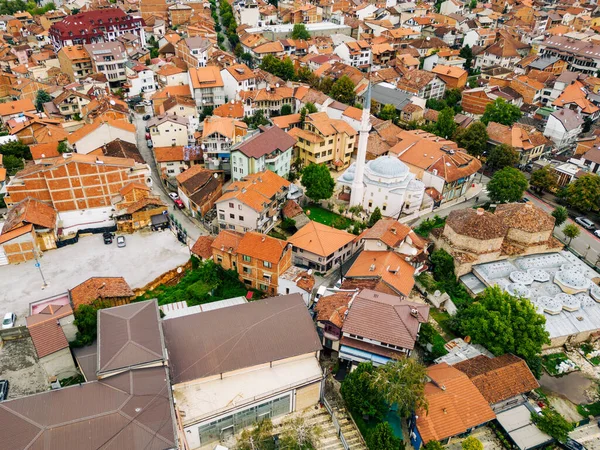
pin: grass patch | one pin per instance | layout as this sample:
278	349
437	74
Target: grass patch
326	217
549	362
586	349
592	409
428	225
277	235
443	319
70	381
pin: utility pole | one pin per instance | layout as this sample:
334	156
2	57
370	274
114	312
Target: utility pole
39	266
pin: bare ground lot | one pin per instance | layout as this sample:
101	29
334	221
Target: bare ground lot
146	256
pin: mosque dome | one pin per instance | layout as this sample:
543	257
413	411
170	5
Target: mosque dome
388	166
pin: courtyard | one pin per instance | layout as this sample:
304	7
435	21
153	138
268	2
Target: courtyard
146	256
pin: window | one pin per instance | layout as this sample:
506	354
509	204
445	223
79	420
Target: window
247	270
241	218
219	259
247	258
330	141
231	205
221	216
240	207
263	287
232	216
267	264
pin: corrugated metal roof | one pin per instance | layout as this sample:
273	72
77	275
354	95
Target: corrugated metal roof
239	336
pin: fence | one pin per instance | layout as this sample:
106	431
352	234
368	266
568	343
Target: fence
336	424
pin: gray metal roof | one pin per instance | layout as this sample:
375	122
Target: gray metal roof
385	95
240	336
517	423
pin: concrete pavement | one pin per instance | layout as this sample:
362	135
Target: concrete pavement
193	227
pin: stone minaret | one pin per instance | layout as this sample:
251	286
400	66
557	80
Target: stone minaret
358	187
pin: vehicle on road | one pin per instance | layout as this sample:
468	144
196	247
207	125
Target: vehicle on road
572	444
148	137
179	203
174	196
597	233
320	292
585	222
121	241
3	390
146	117
149	143
108	237
9	320
524	200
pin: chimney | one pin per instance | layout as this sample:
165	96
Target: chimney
414	312
480	211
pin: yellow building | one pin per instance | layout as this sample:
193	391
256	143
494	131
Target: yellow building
323	140
75	62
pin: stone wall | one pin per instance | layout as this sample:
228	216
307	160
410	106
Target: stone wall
169	278
524	237
471	244
59	364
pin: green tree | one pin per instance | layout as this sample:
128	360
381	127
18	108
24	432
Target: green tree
62	147
238	51
504	324
543	180
326	85
402	382
318	182
247	58
502	156
583	193
501	112
443	266
302	116
553	424
473	4
473	139
433	445
297	434
571	231
17	149
388	112
260	437
382	438
310	108
207	111
300	32
375	216
287	70
507	185
453	98
343	90
256	120
467	53
40	98
472	443
286	110
362	398
12	164
560	215
445	125
437	104
305	75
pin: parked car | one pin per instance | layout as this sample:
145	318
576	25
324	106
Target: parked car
9	320
179	203
108	237
148	137
174	196
572	444
524	200
585	223
597	233
3	390
320	292
121	241
146	117
149	143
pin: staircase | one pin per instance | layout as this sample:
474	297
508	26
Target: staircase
349	431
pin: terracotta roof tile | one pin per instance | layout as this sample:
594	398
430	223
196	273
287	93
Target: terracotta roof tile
477	224
262	247
256	190
48	337
499	378
30	211
455	405
389	267
525	216
320	239
227	241
99	288
203	247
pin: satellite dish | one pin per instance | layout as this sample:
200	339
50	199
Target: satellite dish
232	102
112	102
276	85
203	146
179	270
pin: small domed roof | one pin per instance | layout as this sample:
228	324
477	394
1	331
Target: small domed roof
477	224
349	174
388	166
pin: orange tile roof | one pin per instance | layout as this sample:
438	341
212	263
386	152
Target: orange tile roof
455	405
203	247
169	91
225	126
96	288
332	308
75	52
255	190
227	241
262	247
575	93
390	267
5	237
48	337
353	113
286	121
205	77
17	106
231	109
90	127
30	211
268	47
48	150
449	71
320	239
168	154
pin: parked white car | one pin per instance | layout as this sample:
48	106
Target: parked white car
9	320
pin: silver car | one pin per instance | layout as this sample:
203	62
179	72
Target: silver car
121	241
585	223
9	320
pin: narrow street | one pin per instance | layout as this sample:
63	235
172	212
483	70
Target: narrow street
193	227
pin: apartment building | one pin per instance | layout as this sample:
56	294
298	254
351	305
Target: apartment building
140	79
581	56
237	78
75	62
422	84
269	99
67	105
355	53
168	130
270	149
193	50
206	86
79	187
219	135
323	140
252	204
109	58
257	258
103	25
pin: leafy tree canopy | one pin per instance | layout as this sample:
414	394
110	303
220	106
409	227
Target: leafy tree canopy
507	185
501	112
502	156
583	193
40	98
382	438
375	216
286	110
300	32
343	90
571	231
553	424
443	265
318	182
543	180
388	112
504	324
472	443
445	125
560	215
473	139
362	398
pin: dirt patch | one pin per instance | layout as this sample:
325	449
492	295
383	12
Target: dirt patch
19	365
572	386
484	434
565	408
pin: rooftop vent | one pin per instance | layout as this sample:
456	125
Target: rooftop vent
414	312
480	211
372	268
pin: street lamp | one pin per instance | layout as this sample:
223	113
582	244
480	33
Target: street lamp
39	266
